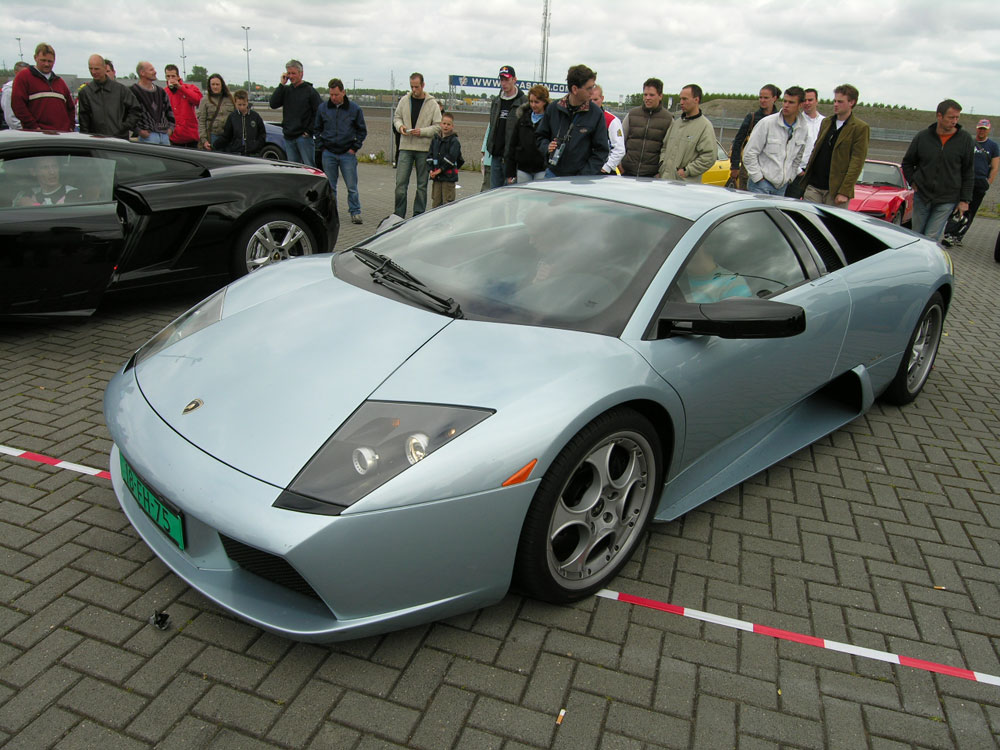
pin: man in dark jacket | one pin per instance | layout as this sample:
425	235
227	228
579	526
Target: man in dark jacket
340	130
501	128
767	98
244	131
298	102
107	107
645	129
573	135
40	98
939	166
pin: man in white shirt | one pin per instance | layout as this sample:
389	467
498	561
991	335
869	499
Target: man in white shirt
774	151
813	121
616	136
8	112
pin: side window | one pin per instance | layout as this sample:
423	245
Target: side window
54	180
131	167
744	256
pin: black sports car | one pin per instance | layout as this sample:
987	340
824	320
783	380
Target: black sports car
83	215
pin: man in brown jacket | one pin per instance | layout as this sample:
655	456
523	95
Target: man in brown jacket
839	154
417	120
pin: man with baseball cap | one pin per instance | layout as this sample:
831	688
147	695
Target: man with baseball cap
986	164
498	136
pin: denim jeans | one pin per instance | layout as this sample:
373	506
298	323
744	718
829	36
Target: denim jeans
301	149
930	219
406	162
764	187
160	139
523	176
348	165
498	172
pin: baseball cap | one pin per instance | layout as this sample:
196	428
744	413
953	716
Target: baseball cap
984	123
507	72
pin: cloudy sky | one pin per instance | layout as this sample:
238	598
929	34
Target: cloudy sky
911	52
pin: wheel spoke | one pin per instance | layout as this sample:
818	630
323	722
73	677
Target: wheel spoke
292	238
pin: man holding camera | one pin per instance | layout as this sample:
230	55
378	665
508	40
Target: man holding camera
573	135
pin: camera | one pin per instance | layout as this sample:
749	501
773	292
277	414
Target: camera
556	155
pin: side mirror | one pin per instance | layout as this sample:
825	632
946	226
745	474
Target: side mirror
734	318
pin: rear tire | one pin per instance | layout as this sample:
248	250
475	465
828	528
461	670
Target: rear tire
591	508
271	238
918	359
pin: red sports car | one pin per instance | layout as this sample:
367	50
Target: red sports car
883	191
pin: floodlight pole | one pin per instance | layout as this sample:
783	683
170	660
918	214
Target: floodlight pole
246	32
184	69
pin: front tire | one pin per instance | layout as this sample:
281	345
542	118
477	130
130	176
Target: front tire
591	508
918	359
269	239
272	152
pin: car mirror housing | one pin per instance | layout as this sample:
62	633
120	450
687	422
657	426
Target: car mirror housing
734	318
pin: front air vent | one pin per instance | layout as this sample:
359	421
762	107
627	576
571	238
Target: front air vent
269	567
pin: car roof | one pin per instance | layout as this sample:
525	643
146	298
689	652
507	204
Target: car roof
685	199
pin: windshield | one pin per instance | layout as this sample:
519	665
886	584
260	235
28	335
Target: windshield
530	256
881	174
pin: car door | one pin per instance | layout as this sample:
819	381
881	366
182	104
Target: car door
733	389
60	233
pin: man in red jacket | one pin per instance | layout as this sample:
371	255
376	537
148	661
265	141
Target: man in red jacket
40	98
184	98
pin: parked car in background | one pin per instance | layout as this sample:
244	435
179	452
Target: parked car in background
506	389
718	173
883	191
84	215
275	146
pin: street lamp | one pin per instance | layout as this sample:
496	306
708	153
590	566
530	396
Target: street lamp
246	32
183	58
20	52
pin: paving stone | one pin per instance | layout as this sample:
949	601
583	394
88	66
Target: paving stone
224	705
376	716
170	706
513	721
648	726
303	715
442	722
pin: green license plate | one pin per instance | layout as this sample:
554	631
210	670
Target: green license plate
170	521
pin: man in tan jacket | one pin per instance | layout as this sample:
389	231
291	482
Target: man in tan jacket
417	120
689	148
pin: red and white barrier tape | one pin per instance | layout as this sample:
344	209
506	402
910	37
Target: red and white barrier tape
694	614
39	458
809	640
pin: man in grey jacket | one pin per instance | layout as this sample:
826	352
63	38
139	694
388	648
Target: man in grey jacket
107	107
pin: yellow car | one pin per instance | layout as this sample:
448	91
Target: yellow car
718	173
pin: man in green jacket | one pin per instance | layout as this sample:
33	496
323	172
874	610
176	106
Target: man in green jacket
839	153
689	148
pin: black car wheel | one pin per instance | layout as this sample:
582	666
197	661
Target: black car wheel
591	508
270	151
918	359
271	238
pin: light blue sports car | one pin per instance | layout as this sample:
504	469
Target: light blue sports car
506	391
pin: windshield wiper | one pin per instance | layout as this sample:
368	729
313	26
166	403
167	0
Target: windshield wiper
880	183
388	272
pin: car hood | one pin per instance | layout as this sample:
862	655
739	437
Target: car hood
873	199
278	376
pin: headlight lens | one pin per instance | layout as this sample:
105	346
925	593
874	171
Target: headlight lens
380	440
200	316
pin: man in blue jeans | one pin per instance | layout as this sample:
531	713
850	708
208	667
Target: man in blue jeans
417	119
340	131
298	102
939	166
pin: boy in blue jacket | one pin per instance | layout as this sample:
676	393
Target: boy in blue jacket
444	159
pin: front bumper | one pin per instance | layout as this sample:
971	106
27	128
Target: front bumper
369	572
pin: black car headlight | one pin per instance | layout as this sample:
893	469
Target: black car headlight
379	441
202	315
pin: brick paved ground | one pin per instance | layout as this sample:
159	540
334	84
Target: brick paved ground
848	540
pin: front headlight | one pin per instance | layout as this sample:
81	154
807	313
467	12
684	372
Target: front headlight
380	440
202	315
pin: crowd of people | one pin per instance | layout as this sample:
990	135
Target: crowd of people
785	147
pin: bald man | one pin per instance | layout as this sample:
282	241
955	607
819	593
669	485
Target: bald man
107	107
